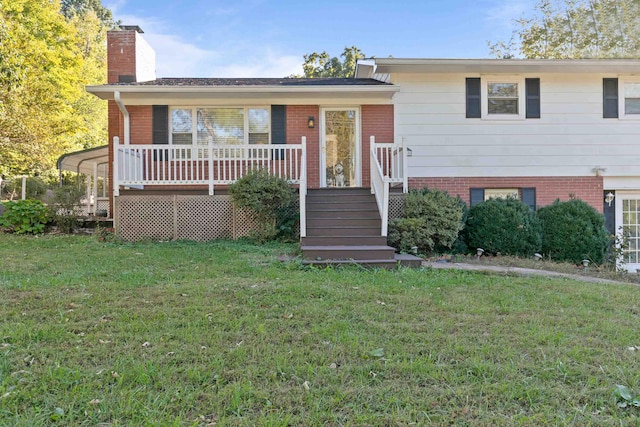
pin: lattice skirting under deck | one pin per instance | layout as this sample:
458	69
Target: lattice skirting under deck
186	217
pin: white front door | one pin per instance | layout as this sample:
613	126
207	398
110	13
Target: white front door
340	153
628	225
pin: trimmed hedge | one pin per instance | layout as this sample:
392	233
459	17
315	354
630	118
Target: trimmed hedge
573	231
504	226
432	221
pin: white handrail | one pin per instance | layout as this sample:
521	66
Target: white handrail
380	188
144	164
302	189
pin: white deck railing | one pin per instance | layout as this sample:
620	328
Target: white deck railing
387	162
142	165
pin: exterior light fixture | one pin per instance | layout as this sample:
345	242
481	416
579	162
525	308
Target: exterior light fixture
609	198
311	123
409	152
537	256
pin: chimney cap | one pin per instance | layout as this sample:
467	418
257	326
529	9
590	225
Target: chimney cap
135	28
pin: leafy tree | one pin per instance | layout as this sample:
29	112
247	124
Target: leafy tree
71	8
323	65
45	62
576	29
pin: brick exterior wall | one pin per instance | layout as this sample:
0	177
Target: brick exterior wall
297	127
377	121
548	189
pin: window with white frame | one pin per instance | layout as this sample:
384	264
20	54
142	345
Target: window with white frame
504	98
631	98
220	126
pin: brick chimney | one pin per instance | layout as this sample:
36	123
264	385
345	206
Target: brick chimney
129	57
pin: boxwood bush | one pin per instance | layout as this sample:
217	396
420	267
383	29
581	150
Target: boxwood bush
504	226
432	221
267	197
572	231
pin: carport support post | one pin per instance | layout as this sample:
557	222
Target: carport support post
24	187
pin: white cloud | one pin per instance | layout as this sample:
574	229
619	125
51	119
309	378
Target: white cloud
176	57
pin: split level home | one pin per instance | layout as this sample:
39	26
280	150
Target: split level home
538	130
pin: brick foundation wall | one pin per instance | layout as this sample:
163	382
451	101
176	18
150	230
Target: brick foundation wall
548	189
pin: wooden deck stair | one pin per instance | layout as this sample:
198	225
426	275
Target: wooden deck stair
343	226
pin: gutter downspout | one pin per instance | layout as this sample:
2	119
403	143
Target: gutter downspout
125	113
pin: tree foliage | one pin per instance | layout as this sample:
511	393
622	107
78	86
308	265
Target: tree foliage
323	65
46	60
566	29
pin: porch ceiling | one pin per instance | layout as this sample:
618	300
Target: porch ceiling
82	161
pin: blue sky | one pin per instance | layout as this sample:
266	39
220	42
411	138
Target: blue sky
268	38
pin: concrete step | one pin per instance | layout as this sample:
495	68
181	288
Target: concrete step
357	253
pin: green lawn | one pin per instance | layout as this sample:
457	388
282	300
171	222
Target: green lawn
178	333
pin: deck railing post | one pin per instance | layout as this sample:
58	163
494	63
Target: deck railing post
210	166
405	166
302	189
116	165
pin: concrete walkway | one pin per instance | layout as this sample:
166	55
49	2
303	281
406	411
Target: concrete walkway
520	271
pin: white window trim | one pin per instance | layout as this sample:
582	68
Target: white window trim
194	121
622	114
484	97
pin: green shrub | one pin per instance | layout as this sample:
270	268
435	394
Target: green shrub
62	206
432	221
573	231
25	216
266	196
505	226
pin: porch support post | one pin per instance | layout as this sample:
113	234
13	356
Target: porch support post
125	113
94	191
116	171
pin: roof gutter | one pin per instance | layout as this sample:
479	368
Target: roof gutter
125	113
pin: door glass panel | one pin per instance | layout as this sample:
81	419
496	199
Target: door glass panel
631	229
340	154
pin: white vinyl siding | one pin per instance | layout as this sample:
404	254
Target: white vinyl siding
571	139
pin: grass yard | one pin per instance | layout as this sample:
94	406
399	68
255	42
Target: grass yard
194	334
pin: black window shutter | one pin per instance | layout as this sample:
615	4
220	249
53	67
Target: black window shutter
529	197
610	98
532	88
160	130
474	110
609	213
477	196
279	128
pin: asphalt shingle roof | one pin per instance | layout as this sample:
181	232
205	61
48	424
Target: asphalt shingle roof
234	82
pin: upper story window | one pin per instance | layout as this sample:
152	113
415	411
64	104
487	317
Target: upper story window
621	98
223	126
631	98
502	98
